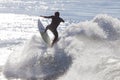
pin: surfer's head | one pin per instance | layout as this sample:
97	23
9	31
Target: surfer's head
57	14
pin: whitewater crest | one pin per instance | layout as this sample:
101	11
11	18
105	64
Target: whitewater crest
110	26
101	26
86	51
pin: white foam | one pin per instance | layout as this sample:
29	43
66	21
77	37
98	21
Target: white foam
87	51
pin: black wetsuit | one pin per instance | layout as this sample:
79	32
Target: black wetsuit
53	26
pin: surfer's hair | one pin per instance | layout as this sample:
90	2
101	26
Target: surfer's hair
57	13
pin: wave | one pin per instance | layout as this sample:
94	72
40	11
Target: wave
88	50
36	61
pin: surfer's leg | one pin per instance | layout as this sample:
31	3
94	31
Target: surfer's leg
47	28
56	36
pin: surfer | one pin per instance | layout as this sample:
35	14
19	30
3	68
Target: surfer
56	20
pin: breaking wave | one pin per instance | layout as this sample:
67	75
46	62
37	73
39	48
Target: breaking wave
88	50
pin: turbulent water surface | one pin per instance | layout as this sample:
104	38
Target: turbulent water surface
88	48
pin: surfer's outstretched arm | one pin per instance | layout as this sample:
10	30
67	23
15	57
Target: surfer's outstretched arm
46	16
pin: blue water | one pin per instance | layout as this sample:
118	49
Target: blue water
71	10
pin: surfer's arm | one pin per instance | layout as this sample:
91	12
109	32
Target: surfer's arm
62	20
46	16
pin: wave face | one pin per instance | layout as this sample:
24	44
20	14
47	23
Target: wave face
86	51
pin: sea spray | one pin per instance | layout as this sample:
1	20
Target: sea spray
86	51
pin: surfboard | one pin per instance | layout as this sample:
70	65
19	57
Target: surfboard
43	34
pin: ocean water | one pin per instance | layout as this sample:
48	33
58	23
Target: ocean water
88	48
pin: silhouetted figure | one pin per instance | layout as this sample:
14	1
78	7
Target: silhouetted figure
54	24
